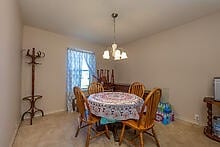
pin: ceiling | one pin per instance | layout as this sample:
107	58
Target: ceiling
91	19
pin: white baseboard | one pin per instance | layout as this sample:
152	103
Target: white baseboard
14	134
56	111
47	113
190	121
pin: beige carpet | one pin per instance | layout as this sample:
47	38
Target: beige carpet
57	130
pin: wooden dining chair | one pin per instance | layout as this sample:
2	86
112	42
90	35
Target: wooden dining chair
95	87
146	118
86	118
137	88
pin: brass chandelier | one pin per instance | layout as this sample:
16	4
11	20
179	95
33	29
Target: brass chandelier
117	54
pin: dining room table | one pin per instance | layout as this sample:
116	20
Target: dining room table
115	107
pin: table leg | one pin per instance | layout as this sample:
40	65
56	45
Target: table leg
112	127
115	133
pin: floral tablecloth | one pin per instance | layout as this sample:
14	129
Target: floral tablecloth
115	105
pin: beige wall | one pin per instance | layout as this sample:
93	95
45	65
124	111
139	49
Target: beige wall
10	70
184	60
50	76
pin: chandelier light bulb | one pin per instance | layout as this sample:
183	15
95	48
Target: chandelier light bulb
106	55
114	46
117	55
124	55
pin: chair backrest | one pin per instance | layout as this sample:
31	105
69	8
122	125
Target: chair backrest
95	88
137	88
150	105
81	102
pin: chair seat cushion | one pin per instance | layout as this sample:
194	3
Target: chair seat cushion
104	120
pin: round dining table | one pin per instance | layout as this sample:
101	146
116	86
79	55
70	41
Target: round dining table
115	105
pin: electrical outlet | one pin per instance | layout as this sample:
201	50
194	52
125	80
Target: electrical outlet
196	117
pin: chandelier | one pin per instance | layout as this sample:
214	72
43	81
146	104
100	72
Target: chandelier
117	54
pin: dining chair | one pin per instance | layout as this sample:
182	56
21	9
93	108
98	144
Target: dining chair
137	88
86	118
95	87
146	118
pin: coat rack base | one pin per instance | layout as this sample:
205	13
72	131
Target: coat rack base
32	110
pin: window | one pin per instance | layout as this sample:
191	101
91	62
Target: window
85	75
80	68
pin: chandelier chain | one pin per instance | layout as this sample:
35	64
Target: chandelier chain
114	30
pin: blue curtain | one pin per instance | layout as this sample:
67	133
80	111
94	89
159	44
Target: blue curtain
74	71
91	63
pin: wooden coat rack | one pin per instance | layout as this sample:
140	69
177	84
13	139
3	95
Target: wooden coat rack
33	98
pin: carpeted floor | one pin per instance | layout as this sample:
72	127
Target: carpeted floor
57	130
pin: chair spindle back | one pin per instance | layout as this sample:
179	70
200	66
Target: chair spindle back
150	105
95	88
137	88
81	102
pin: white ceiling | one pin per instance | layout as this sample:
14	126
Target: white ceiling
91	19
